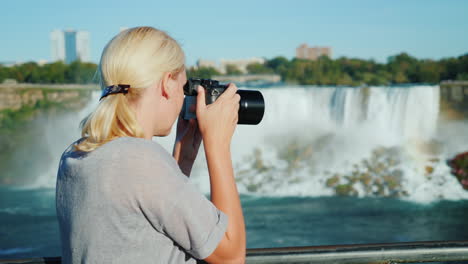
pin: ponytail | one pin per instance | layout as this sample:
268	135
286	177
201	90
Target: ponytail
113	118
138	57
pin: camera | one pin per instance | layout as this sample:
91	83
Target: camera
252	104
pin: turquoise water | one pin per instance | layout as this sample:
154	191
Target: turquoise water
28	225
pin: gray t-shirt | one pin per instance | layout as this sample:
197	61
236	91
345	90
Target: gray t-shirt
128	202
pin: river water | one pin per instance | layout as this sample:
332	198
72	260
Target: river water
290	168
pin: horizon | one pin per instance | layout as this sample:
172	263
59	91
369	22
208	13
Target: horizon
423	29
41	62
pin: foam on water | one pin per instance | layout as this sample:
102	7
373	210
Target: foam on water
342	125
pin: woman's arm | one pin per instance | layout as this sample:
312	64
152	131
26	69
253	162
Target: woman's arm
217	124
225	197
187	144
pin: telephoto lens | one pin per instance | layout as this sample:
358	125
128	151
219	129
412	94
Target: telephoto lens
251	105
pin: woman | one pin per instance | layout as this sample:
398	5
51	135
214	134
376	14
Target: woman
121	198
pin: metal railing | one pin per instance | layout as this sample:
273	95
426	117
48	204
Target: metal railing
412	252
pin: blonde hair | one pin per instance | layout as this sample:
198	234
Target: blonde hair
139	57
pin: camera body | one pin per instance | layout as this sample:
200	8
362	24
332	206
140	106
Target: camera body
212	88
251	108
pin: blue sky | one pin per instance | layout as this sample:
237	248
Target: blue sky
246	28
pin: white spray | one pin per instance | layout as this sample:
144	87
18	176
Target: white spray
344	124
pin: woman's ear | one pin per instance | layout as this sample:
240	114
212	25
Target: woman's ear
167	85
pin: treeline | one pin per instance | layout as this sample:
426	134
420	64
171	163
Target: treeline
57	72
399	69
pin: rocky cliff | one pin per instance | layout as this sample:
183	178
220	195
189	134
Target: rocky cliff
24	114
33	98
15	96
454	99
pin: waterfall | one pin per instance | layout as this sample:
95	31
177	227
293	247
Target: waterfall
58	133
312	136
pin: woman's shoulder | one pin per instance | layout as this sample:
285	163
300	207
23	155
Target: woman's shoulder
121	155
132	153
122	148
130	145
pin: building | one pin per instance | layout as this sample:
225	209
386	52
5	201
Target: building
312	53
71	53
57	45
39	62
70	45
240	64
207	63
9	63
82	46
42	62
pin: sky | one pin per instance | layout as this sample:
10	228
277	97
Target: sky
214	30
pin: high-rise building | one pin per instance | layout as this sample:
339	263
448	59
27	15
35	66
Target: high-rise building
312	53
57	47
70	45
82	45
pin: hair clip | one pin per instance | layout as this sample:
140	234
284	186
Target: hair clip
114	89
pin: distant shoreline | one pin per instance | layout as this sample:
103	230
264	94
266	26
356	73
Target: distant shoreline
49	86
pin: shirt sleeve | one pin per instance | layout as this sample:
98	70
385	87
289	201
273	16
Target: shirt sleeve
179	210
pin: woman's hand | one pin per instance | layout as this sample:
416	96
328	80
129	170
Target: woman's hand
218	121
187	144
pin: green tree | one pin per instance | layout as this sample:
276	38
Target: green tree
404	68
449	68
54	72
79	72
401	68
345	79
258	68
232	70
202	72
399	77
4	74
429	72
277	63
462	67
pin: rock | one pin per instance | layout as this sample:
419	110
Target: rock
392	162
429	170
352	179
464	183
380	190
459	168
391	181
375	176
365	179
333	181
378	152
345	190
258	164
398	174
252	187
432	147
